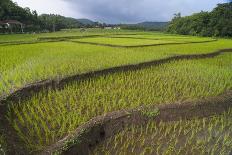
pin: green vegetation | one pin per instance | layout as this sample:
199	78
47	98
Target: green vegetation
49	116
151	113
53	22
11	11
2	145
217	23
199	136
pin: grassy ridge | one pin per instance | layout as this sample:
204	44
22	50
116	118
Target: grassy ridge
23	64
199	136
47	117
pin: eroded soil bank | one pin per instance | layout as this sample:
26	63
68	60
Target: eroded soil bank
87	136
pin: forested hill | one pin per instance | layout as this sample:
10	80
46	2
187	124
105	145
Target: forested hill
86	21
217	23
34	22
147	26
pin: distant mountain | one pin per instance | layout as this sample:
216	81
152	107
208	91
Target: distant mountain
86	21
150	26
153	24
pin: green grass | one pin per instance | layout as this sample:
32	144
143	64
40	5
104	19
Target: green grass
49	116
199	136
23	64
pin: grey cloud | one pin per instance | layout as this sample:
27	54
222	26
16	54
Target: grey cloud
131	11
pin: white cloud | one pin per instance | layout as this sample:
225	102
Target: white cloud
49	6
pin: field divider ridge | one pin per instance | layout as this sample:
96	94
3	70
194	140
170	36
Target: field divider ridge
139	46
143	38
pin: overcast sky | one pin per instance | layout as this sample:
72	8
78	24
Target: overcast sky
120	11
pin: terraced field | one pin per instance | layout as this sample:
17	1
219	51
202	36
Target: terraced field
81	101
49	89
24	64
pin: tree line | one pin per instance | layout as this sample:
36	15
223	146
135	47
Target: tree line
217	23
34	22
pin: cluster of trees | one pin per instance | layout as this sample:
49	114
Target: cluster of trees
11	11
34	22
53	22
216	23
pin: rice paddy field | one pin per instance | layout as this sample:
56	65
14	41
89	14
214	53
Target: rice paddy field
49	115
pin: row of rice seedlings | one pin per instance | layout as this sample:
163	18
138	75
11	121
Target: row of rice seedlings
23	64
199	136
49	116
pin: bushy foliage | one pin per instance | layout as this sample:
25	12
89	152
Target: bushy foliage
217	23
